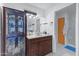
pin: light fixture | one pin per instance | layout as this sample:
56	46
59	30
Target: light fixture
27	14
51	21
30	16
34	16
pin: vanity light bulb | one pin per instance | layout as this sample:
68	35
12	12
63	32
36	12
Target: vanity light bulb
34	16
30	17
27	14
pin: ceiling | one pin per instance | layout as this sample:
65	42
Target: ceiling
43	5
49	6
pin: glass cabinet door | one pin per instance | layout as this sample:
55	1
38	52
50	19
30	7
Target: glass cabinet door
20	27
11	24
10	32
20	24
14	32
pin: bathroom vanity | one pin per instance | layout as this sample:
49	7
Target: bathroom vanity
37	43
39	46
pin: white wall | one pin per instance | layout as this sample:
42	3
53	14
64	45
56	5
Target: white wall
50	14
69	14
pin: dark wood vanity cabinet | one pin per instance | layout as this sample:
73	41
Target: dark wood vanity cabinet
32	49
45	47
39	46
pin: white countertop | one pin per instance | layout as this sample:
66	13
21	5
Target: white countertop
34	36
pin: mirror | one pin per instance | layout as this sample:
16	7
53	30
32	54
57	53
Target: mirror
33	24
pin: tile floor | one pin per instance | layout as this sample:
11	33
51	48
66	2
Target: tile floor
61	51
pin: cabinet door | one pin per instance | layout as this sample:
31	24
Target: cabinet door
10	31
13	26
41	48
45	47
33	49
20	32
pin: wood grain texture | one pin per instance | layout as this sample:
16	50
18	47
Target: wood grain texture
39	46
